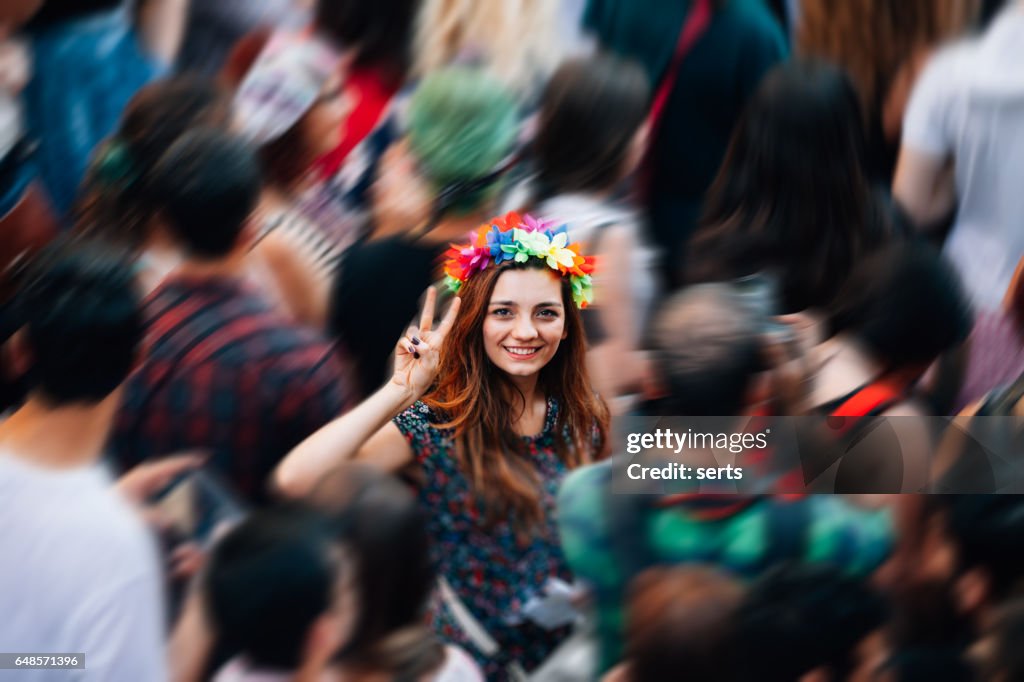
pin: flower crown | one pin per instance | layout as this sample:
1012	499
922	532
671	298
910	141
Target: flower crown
517	239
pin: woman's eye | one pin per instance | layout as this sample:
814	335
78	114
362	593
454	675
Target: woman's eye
501	312
548	313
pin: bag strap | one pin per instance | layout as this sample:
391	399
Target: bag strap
873	399
1002	401
694	26
474	630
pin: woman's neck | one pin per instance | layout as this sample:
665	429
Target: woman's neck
528	405
843	365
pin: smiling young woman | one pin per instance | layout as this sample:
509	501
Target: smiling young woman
506	412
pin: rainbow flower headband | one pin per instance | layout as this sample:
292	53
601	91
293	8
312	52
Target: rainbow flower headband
517	239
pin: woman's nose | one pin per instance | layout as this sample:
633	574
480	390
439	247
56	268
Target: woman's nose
524	329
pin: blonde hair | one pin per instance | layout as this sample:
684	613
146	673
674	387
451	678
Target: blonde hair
874	39
514	39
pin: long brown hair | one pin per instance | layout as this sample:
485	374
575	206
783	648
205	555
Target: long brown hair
475	396
873	39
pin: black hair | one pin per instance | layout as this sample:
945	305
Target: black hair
590	113
792	194
927	665
905	303
268	581
116	201
78	304
988	531
800	617
376	517
206	185
706	345
378	32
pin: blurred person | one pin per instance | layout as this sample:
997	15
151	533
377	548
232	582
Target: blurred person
989	10
80	572
900	310
963	139
383	531
918	665
681	619
995	358
708	354
214	27
927	635
377	38
792	198
278	591
290	104
883	46
462	124
809	623
116	199
590	137
967	544
224	371
88	59
702	90
27	220
339	594
514	41
983	534
1006	660
506	411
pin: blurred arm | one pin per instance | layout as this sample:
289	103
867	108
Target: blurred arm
363	433
924	186
161	25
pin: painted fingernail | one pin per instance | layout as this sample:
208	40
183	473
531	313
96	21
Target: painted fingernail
416	340
412	350
416	355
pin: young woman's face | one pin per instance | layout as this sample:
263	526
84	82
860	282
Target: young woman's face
525	321
323	124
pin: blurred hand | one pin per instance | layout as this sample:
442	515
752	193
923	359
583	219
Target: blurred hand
15	70
148	478
186	560
418	353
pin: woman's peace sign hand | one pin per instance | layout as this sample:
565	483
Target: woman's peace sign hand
419	352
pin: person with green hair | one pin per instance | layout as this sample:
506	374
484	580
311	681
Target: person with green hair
440	181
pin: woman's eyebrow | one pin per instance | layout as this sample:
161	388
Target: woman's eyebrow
504	303
549	304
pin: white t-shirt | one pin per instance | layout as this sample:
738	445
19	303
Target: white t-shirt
969	105
78	574
458	667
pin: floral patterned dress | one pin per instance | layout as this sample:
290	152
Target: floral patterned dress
492	572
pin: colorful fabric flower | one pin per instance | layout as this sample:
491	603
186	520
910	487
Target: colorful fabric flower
515	238
497	241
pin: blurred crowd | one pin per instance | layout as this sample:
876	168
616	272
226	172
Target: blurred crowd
316	315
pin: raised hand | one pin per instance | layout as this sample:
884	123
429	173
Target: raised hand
419	352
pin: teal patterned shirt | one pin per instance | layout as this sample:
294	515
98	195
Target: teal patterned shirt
735	534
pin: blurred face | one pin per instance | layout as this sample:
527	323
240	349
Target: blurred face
323	125
525	321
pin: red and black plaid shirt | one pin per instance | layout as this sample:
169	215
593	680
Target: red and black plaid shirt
225	373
